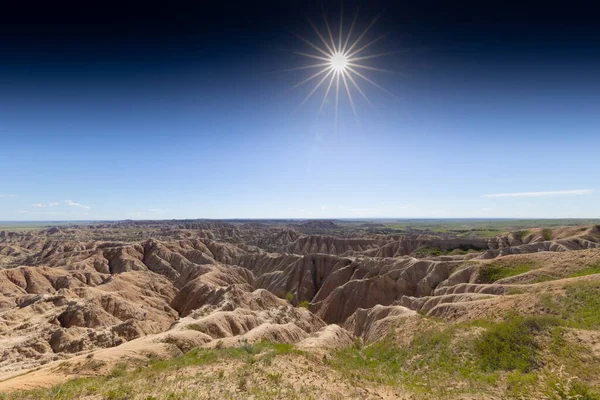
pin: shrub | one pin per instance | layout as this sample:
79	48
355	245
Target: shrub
303	304
289	296
183	345
117	372
275	378
249	348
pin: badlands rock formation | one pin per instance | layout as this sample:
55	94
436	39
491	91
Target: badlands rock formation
68	290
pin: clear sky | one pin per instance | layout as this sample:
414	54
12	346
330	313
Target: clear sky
188	114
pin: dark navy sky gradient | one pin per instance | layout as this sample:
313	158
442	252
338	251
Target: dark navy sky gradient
143	111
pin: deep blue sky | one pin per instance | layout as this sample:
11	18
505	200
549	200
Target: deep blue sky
185	112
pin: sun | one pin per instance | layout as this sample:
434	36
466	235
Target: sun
340	62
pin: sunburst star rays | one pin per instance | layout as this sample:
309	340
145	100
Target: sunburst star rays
339	61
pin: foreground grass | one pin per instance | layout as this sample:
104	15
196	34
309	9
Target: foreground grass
521	357
433	364
173	378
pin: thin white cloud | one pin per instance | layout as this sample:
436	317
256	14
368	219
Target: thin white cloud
159	210
42	205
7	195
324	207
576	192
78	205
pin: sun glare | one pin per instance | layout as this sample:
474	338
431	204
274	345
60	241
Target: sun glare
340	60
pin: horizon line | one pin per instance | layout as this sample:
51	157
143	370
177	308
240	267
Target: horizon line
303	219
